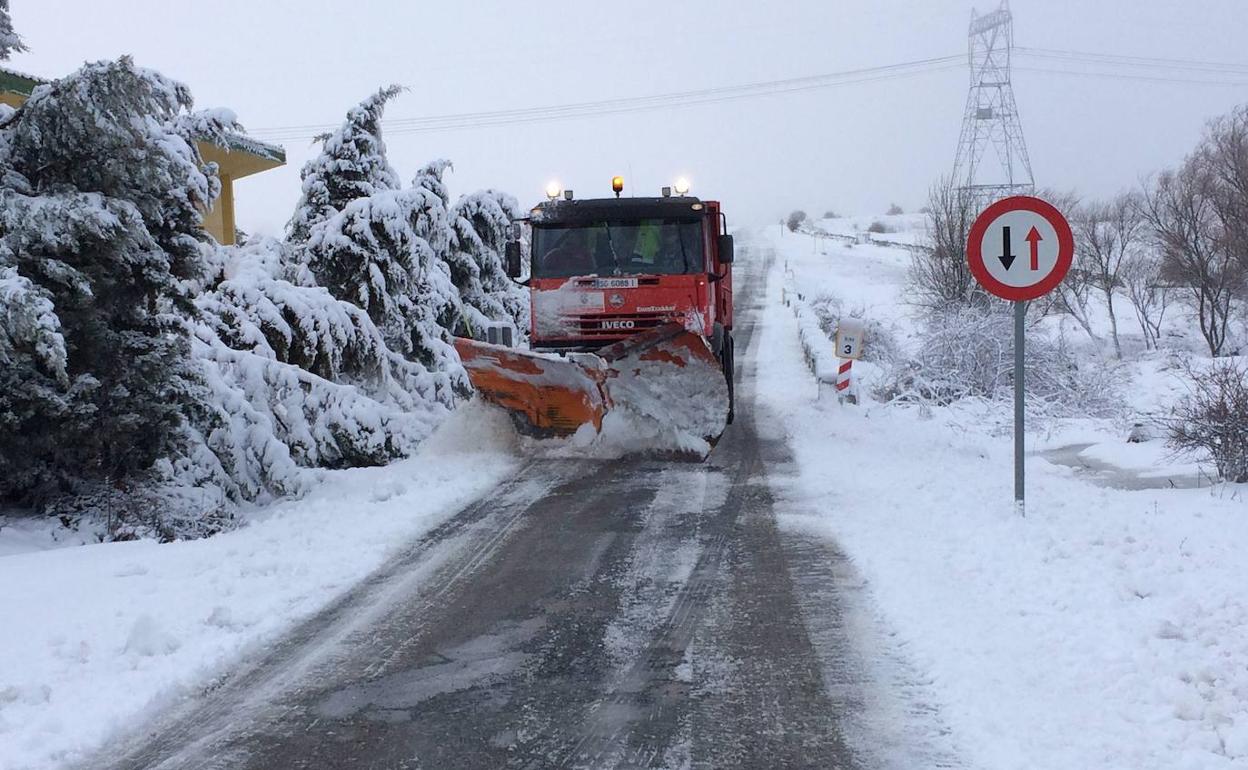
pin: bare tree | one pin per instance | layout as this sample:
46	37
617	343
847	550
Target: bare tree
1073	296
1180	209
1148	293
939	274
796	219
1224	153
1107	236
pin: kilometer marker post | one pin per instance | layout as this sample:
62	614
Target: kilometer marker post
989	253
850	337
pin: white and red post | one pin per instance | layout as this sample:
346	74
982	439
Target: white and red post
844	379
849	337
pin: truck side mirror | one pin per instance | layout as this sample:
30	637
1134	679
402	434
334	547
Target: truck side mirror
725	249
512	259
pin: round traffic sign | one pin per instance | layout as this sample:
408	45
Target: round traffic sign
1020	248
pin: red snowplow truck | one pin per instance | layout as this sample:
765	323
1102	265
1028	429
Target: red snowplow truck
631	311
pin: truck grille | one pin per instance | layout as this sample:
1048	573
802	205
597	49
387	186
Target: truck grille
617	324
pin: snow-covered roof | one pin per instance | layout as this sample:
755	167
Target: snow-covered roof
241	143
18	82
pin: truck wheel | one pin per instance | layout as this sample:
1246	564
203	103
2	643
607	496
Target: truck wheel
726	356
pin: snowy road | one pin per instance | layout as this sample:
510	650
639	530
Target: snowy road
626	613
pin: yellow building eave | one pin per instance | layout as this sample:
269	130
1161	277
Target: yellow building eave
235	164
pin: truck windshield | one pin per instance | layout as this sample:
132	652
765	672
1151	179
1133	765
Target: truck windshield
637	247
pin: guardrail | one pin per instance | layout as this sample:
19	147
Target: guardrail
865	237
817	349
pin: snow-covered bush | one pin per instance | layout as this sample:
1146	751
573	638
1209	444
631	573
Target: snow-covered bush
351	165
967	352
795	220
879	340
1213	418
295	379
250	308
101	192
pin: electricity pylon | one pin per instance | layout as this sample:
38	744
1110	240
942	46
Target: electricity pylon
991	118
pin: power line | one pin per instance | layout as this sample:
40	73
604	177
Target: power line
1152	62
672	100
808	80
667	104
632	104
1139	78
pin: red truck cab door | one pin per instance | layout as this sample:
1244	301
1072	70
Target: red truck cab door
722	285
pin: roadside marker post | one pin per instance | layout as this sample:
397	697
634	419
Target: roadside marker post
1020	277
843	374
849	337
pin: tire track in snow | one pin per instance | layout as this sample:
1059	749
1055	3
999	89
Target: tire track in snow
187	735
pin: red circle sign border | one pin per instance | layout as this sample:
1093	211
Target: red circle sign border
1065	248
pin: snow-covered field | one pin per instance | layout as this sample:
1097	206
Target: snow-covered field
94	637
1107	629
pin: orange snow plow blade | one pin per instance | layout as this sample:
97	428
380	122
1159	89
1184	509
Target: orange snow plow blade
553	394
667	376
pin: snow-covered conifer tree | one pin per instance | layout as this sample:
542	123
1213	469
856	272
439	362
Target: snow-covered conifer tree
10	41
377	254
481	223
430	178
352	165
432	210
100	234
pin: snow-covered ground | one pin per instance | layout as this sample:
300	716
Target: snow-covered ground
96	636
1107	629
1104	630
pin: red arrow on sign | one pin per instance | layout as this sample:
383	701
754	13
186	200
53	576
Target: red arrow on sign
1034	239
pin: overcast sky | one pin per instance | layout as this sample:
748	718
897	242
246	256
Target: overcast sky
852	148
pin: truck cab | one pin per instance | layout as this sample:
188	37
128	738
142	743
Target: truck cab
603	270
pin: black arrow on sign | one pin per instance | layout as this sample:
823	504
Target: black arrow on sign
1006	257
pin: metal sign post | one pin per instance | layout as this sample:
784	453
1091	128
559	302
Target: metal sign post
1020	278
1020	359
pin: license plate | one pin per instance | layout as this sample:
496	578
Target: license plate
588	301
615	283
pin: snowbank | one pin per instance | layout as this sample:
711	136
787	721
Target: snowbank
94	636
1104	630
